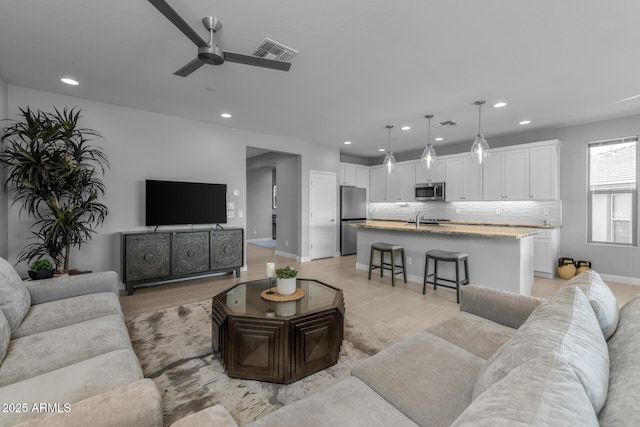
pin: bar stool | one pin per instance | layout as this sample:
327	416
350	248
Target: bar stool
384	248
445	256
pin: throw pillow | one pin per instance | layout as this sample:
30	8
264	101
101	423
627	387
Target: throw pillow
564	324
602	300
15	298
540	392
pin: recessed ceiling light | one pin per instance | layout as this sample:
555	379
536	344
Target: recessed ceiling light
347	143
225	115
439	138
69	81
405	127
499	104
382	149
210	89
524	122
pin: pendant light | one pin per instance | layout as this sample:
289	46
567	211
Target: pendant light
389	161
429	154
480	147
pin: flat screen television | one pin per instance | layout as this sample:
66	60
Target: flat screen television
175	203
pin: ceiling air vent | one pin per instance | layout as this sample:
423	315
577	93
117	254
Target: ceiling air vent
270	49
445	123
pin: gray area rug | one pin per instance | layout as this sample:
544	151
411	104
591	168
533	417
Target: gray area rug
174	349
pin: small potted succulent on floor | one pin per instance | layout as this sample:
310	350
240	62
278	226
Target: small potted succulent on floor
41	269
286	280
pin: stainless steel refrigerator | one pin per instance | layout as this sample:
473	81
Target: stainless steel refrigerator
353	208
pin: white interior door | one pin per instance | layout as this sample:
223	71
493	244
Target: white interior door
323	221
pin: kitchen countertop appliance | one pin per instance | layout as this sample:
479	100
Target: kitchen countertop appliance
353	208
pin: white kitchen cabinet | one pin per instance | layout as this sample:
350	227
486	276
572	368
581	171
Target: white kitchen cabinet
463	179
362	177
377	184
505	175
543	167
348	174
395	187
435	174
545	253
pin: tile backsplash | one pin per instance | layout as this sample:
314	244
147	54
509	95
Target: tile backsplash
518	212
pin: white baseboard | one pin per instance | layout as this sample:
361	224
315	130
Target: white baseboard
288	255
620	279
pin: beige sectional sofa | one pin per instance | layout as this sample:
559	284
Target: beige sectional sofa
66	357
504	360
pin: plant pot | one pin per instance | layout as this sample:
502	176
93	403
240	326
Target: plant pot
286	286
41	274
286	309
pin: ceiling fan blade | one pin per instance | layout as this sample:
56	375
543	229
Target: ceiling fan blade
189	68
177	20
256	61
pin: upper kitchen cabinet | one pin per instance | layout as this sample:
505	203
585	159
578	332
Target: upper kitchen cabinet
394	187
355	175
505	175
543	169
377	184
435	174
463	179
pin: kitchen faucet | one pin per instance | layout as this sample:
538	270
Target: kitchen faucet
418	219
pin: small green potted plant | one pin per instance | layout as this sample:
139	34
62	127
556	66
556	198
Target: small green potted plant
41	269
286	280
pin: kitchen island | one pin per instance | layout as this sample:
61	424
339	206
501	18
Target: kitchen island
499	257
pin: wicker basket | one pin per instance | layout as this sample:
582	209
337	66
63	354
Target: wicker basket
566	268
582	266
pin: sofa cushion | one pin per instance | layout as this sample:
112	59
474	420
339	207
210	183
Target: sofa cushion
137	404
15	299
68	311
475	334
215	415
540	392
602	300
72	383
427	378
5	336
622	407
346	403
50	350
565	324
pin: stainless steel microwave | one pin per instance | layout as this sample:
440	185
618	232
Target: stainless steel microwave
429	191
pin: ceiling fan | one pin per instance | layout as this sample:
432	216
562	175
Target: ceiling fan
209	52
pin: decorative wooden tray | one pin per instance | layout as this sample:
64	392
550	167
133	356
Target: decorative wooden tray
272	294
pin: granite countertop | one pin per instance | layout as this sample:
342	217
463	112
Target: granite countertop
472	230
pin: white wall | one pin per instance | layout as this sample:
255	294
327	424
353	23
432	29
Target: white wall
143	145
259	203
4	224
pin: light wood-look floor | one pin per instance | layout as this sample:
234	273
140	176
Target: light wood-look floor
402	307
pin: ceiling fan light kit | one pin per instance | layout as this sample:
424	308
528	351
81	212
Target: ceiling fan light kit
389	162
480	147
429	154
209	52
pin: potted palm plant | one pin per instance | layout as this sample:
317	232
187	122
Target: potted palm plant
286	280
54	174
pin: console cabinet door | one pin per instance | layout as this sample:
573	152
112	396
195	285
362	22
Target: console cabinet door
226	249
190	252
147	256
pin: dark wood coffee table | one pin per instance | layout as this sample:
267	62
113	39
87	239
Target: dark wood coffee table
278	342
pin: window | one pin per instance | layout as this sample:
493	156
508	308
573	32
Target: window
613	192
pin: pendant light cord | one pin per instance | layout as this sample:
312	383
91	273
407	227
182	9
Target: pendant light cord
479	104
389	127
